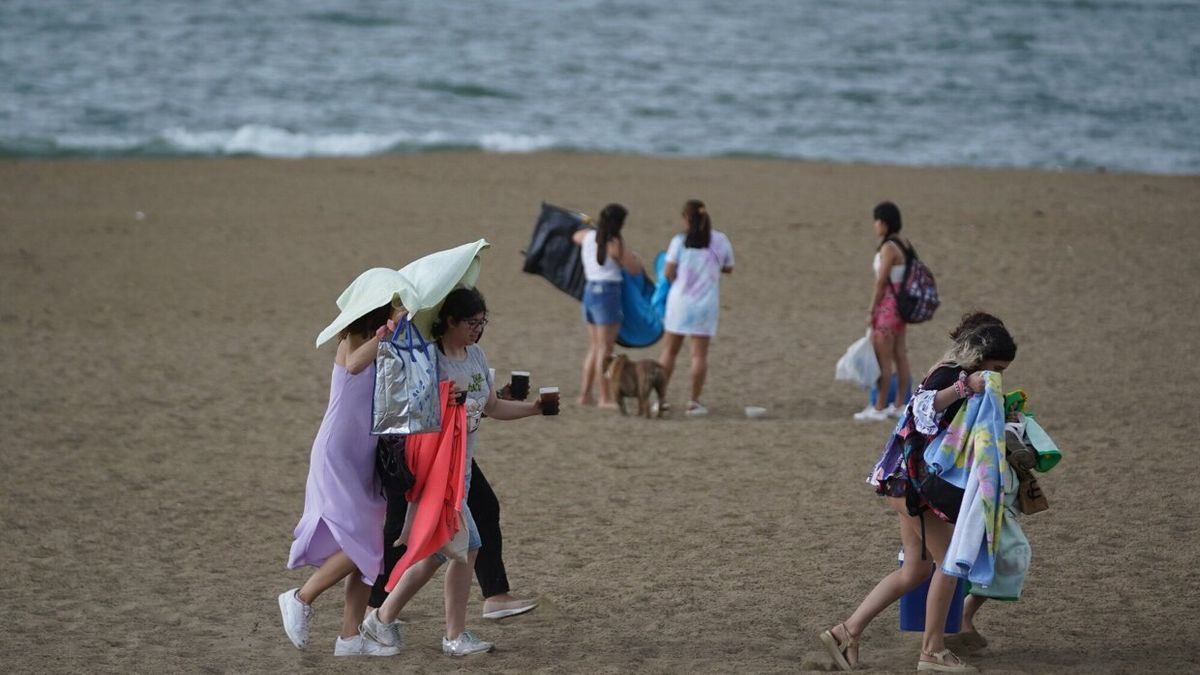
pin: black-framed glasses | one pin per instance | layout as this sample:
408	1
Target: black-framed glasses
476	324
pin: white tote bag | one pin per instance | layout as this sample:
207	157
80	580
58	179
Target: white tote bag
858	364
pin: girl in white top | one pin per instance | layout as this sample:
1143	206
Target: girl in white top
696	259
604	257
887	326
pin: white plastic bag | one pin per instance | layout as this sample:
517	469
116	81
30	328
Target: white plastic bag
858	364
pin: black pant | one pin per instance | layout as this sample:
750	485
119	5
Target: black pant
485	509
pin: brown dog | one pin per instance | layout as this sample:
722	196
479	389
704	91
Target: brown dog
637	379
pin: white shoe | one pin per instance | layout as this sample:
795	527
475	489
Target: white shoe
296	617
694	409
466	644
385	634
870	414
360	645
501	610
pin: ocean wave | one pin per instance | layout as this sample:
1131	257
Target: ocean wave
267	141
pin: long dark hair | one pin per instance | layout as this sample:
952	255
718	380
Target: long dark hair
366	325
608	227
980	337
889	213
699	233
461	304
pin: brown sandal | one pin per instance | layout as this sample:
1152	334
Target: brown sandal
838	649
939	665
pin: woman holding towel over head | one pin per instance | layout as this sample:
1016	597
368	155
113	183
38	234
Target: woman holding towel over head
343	510
696	259
604	255
981	343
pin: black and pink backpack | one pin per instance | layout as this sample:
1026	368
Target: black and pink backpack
917	297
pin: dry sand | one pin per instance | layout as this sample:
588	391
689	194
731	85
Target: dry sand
161	393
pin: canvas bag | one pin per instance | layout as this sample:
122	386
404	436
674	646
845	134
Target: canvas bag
917	297
406	384
859	364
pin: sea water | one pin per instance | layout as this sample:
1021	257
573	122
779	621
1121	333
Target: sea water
1054	84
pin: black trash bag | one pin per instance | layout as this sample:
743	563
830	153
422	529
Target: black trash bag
552	254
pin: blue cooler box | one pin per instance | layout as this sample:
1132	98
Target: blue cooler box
912	606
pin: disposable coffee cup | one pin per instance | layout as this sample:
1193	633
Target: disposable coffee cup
549	398
519	388
492	376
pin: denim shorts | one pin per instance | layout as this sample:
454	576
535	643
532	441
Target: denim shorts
474	541
602	302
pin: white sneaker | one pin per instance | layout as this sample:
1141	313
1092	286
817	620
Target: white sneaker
362	646
694	409
465	645
870	414
296	617
385	634
892	411
502	610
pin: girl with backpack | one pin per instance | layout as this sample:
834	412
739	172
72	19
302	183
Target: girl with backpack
884	318
981	343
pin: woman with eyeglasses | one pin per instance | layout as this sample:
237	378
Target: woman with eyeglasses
458	327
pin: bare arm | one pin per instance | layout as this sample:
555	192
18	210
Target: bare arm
728	269
501	409
887	258
358	356
579	235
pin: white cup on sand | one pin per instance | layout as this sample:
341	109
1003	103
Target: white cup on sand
755	412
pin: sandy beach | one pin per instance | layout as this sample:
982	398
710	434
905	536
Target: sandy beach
161	393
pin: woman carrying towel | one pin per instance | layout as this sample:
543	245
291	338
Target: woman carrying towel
604	255
981	343
343	510
696	259
459	326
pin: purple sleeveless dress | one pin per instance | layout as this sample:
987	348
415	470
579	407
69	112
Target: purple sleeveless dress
343	507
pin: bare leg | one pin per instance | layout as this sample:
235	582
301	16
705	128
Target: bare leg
699	347
608	334
458	590
903	371
941	590
333	570
884	348
970	606
671	346
413	580
357	594
889	589
589	366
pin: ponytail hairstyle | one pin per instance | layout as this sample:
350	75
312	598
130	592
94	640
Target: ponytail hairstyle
608	227
889	213
699	233
980	337
460	305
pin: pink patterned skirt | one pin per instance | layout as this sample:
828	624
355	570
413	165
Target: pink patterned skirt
885	318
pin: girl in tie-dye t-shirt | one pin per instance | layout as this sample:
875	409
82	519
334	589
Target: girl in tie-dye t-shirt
696	259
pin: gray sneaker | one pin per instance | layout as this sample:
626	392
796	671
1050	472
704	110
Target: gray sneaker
296	617
465	645
386	634
360	645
